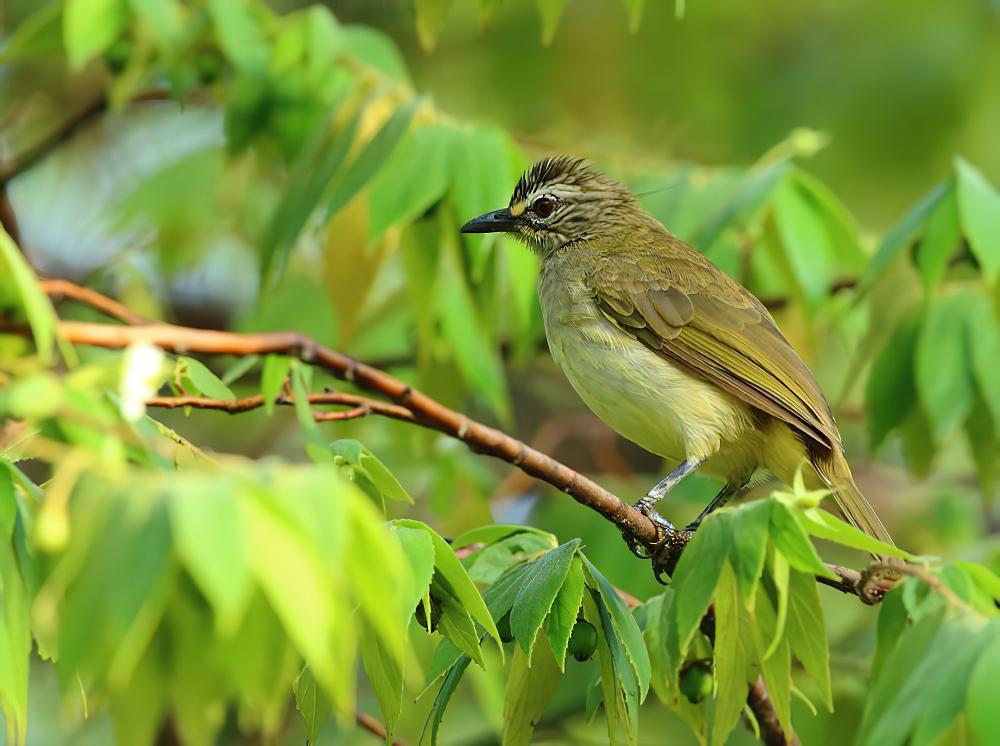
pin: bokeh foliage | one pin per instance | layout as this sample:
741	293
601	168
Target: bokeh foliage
169	569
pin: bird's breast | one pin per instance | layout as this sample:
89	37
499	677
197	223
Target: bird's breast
640	394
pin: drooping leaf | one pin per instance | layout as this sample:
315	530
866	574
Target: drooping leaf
311	703
386	676
204	381
527	692
561	619
749	545
903	233
806	631
272	378
940	240
535	598
697	573
362	460
981	707
733	656
979	210
35	303
943	371
431	16
891	393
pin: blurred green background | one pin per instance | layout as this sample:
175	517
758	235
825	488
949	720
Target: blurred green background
166	206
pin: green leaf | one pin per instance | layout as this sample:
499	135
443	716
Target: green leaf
981	702
240	33
37	307
825	525
635	9
204	380
733	656
371	158
419	550
624	625
891	393
561	619
478	359
805	630
90	27
272	379
979	210
941	239
904	232
549	12
315	443
386	676
530	684
805	238
749	545
443	697
790	538
311	703
15	630
618	677
696	575
541	586
452	570
309	177
984	340
360	458
496	531
210	540
431	17
414	178
943	375
776	663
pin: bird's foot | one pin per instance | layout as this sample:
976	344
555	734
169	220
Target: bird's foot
665	552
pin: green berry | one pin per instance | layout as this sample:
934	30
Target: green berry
583	640
697	681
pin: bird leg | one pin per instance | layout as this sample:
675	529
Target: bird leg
647	504
727	493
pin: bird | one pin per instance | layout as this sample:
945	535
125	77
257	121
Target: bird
668	350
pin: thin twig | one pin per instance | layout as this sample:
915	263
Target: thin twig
360	405
57	289
373	726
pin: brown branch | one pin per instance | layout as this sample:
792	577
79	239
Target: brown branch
59	289
373	726
759	701
359	405
424	410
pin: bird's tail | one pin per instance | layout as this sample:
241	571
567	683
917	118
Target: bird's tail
836	473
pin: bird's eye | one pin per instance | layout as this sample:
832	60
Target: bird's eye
543	207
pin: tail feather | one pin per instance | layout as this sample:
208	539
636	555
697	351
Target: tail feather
852	504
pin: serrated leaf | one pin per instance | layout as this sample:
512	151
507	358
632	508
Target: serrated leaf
562	618
311	703
733	656
386	676
775	663
749	544
824	525
448	686
790	538
625	626
696	575
545	577
530	684
452	570
979	210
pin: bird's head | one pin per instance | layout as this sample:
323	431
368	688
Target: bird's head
557	202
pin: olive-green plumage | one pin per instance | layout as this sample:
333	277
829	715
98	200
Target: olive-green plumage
664	347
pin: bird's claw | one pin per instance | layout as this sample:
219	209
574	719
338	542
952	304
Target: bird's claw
667	533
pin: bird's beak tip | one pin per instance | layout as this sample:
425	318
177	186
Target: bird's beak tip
497	221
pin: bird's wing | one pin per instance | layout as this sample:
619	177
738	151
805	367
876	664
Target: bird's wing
727	338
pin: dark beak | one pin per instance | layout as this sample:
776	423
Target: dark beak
498	221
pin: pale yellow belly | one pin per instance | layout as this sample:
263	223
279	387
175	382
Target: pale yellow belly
643	397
